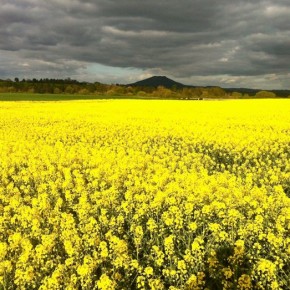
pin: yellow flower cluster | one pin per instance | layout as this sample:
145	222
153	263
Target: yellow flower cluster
131	194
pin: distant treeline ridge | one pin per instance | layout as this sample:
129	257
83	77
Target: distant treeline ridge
69	86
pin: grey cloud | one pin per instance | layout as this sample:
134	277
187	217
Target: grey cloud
184	39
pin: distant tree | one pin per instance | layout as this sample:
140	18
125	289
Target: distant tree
187	93
84	91
129	90
100	88
56	91
115	90
197	91
69	89
163	92
216	92
236	95
141	94
205	94
265	95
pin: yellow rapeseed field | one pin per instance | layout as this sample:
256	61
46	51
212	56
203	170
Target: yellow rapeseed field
131	194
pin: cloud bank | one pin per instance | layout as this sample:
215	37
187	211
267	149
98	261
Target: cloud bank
201	42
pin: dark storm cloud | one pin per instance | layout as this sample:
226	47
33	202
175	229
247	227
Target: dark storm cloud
185	39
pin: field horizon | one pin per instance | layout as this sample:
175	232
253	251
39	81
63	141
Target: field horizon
70	97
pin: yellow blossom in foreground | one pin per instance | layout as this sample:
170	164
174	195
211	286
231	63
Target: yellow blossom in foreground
127	194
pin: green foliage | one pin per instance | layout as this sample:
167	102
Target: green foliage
95	90
265	95
236	95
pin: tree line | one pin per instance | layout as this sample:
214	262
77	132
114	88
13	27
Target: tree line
69	86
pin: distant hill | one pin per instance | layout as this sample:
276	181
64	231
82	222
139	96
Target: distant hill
166	82
157	81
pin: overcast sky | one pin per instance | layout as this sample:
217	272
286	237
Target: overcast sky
230	43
